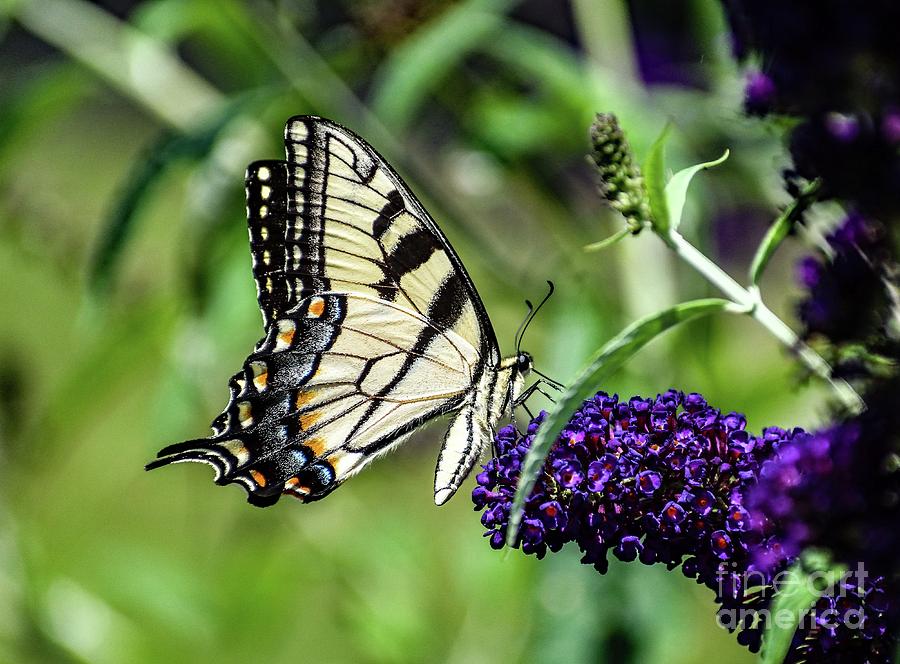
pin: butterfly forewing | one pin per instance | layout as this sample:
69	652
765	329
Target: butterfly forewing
356	227
372	325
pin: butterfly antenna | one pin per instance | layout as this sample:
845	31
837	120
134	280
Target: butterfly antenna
533	312
522	325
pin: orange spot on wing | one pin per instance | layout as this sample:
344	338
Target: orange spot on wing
300	493
293	488
260	374
307	420
316	445
304	397
287	337
316	307
338	461
258	477
261	380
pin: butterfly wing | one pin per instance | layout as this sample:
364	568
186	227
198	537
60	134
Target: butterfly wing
372	324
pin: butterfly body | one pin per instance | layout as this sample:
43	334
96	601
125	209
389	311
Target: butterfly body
373	328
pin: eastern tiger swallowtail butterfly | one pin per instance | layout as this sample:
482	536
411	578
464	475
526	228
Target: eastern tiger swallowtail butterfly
372	328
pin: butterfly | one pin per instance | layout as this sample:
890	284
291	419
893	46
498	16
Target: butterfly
372	328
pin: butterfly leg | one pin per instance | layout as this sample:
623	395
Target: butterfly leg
522	400
552	400
527	410
526	394
514	421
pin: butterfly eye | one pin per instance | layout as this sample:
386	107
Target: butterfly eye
524	363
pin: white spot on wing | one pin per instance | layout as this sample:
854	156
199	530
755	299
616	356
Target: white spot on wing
297	131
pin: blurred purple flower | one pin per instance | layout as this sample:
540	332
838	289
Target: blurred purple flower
847	296
838	490
831	55
759	93
856	159
853	622
835	64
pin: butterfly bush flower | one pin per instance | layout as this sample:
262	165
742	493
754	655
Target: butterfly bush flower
838	490
621	182
855	157
853	623
835	65
821	56
657	480
847	294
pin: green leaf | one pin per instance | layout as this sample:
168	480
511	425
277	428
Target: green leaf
423	60
608	242
770	242
780	229
605	362
676	190
654	170
795	595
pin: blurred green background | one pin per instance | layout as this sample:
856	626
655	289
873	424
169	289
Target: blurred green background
127	302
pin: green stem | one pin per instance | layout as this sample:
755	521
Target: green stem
750	302
605	29
135	63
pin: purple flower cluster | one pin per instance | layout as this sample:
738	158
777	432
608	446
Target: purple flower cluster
838	490
821	56
835	65
850	624
659	480
846	292
810	495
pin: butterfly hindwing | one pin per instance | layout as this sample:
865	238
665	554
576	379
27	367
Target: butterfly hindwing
319	398
372	325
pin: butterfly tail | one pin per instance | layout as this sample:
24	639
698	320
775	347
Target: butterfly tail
295	474
466	438
200	450
226	456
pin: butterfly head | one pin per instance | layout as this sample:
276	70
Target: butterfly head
524	363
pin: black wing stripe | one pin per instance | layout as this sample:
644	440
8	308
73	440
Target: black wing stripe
383	442
405	350
363	179
307	142
412	251
445	308
387	213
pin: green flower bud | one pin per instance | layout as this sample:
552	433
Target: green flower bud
621	182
